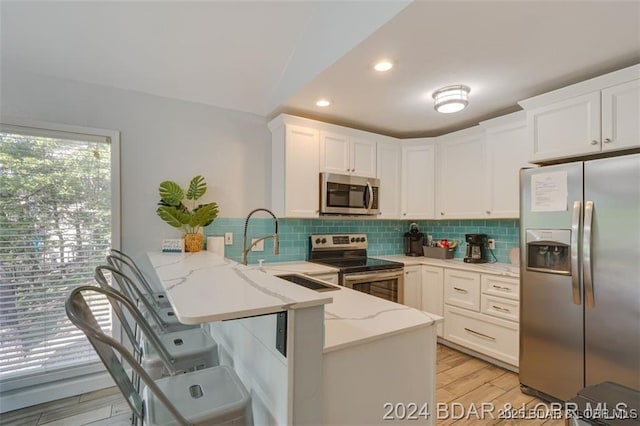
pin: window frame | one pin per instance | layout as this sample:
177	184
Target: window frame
87	377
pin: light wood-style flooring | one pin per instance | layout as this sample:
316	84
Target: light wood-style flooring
463	382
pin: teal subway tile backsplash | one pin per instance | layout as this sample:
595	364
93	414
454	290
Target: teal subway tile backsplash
385	236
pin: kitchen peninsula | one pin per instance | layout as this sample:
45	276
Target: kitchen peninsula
348	357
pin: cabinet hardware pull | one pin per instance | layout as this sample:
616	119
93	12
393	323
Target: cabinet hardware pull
493	339
441	213
353	170
488	211
461	290
607	140
501	309
499	287
594	142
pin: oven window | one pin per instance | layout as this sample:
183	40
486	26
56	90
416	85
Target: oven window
385	289
342	195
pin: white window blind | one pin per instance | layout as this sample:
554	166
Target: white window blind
55	228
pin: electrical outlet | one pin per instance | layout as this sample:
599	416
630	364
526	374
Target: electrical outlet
492	243
257	247
228	238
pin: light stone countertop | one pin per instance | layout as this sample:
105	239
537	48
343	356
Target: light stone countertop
205	287
353	317
504	269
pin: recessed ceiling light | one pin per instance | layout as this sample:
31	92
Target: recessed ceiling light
383	66
323	103
451	99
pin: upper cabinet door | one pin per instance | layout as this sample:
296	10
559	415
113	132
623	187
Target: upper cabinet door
506	153
621	116
461	177
363	157
565	129
389	165
418	181
301	177
334	153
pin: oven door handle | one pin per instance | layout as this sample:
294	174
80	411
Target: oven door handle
378	276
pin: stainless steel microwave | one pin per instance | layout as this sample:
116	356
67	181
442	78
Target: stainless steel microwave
348	195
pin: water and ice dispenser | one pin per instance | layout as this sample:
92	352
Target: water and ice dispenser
549	250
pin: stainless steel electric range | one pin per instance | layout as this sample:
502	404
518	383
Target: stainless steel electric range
348	253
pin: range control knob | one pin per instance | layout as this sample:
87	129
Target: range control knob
324	241
353	240
363	239
317	240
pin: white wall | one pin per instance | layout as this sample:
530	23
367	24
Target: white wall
160	139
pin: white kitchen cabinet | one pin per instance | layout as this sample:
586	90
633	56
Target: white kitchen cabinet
433	293
621	116
565	129
506	152
418	180
389	157
460	175
586	118
493	337
295	171
481	313
347	155
462	288
413	286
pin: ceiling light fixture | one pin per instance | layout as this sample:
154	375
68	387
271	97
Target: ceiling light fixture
323	103
451	99
383	66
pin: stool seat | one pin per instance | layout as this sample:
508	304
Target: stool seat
227	400
191	350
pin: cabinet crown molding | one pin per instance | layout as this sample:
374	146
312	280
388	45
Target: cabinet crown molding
583	87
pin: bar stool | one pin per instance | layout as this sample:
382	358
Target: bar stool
211	396
161	315
120	259
190	349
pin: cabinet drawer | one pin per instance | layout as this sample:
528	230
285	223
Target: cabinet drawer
501	286
462	289
500	307
493	337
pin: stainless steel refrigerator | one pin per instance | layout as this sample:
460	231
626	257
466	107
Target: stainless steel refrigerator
580	276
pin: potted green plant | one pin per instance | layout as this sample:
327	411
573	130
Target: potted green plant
185	214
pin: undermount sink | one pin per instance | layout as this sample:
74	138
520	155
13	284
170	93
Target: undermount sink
308	282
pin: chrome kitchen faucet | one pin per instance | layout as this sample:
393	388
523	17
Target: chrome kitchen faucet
276	244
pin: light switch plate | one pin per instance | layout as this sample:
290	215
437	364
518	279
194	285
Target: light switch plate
228	238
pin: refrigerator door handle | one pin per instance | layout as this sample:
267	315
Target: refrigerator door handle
575	241
586	250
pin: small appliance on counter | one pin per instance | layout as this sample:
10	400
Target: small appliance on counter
413	241
476	251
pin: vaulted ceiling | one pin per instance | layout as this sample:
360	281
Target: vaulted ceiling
267	57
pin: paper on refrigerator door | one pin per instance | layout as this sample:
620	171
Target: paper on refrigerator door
549	192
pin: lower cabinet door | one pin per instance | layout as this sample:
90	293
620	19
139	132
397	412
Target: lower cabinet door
493	337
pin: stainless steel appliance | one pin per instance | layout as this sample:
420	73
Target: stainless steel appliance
580	269
348	253
476	252
348	195
413	241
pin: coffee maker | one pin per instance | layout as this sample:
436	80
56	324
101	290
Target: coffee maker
413	241
476	244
